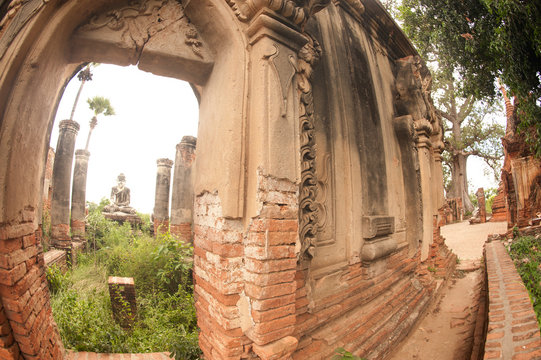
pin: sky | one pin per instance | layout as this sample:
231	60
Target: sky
153	113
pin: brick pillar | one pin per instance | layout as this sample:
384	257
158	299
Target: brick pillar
60	204
122	293
245	263
182	197
423	129
78	194
161	199
27	328
482	205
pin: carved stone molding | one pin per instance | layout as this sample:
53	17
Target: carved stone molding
308	206
378	243
19	13
354	7
376	226
297	11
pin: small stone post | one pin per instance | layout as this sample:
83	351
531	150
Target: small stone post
78	194
161	202
182	197
482	206
60	204
122	293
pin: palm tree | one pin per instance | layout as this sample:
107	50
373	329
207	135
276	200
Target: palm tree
83	76
99	105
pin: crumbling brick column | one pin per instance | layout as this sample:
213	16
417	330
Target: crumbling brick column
423	129
123	303
482	205
78	194
27	328
182	197
60	205
161	199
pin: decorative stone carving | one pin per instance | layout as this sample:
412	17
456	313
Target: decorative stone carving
297	11
19	13
140	20
409	99
308	205
142	32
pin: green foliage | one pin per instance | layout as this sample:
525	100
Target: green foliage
161	270
526	254
56	279
343	354
479	41
100	105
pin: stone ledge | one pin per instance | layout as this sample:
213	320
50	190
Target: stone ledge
513	331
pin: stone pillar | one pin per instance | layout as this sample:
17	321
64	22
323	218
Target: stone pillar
423	129
60	204
439	194
161	200
182	197
78	194
482	205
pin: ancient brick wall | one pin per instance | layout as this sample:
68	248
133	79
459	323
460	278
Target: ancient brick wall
513	331
28	328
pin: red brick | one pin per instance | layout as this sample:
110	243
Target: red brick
262	305
270	252
532	345
261	316
516	329
272	278
495	335
535	354
10	277
271	291
270	265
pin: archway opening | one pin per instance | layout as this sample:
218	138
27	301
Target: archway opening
151	116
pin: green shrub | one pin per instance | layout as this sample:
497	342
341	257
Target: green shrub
526	254
161	268
56	279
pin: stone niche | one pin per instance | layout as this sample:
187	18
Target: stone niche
316	183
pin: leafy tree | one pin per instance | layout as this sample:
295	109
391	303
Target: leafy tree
99	105
464	107
480	40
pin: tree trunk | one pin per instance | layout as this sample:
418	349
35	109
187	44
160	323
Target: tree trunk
459	181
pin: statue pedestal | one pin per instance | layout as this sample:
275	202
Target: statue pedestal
121	217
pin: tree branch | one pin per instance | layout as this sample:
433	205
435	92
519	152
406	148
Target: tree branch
465	109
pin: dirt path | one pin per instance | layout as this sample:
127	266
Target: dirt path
446	333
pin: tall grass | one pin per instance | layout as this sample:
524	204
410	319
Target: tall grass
161	268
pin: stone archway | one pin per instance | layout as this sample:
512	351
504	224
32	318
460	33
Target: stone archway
44	43
300	247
